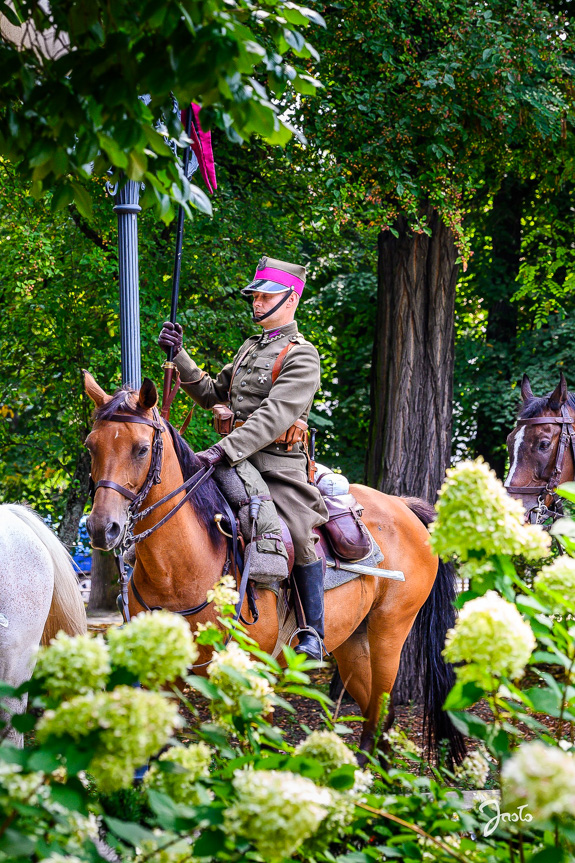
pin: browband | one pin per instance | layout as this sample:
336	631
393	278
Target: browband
131	418
543	420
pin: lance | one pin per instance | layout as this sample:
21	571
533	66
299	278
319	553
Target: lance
170	387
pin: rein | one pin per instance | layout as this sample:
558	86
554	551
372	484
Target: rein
136	514
549	503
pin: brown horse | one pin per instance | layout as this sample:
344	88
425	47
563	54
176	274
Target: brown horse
367	620
542	450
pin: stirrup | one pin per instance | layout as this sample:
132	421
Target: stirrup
310	631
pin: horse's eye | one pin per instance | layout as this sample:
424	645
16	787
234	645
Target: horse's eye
544	445
143	450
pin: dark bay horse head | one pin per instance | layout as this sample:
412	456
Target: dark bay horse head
541	449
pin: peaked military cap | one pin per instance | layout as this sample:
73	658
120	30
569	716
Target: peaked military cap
276	277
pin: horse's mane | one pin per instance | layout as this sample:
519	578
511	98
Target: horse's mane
206	500
535	406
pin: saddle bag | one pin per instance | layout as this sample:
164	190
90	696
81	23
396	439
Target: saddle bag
347	534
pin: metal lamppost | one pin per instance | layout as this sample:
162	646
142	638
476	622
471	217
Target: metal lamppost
127	208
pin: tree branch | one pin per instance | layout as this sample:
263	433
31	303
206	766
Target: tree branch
88	232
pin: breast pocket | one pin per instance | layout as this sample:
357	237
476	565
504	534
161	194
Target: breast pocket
260	377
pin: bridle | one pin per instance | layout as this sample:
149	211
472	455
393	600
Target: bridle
549	504
135	514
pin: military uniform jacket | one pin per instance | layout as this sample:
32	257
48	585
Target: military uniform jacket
267	411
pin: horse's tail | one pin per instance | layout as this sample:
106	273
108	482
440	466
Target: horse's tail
435	617
67	610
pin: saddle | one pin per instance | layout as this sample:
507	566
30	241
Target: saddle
344	538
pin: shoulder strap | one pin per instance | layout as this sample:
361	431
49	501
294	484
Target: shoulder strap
280	361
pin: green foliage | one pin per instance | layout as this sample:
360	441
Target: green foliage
69	105
425	102
233	789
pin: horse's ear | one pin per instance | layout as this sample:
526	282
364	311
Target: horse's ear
559	395
94	390
526	391
148	397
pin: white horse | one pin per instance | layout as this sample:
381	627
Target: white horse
39	596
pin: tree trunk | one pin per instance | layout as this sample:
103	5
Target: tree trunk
412	366
105	588
76	501
412	378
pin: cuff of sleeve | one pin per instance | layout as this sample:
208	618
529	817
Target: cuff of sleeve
189	371
232	451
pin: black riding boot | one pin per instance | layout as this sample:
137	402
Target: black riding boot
309	580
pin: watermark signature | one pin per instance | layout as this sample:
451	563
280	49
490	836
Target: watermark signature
499	816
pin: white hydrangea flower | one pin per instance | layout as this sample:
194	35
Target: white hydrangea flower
72	666
559	577
224	593
181	787
474	769
205	627
400	742
541	778
63	858
475	513
157	647
276	811
363	780
165	850
16	784
236	660
133	726
328	749
491	638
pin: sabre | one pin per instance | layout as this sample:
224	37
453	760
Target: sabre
170	389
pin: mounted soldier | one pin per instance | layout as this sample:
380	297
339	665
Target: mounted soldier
270	387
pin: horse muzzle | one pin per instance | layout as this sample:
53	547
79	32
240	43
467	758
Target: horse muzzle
105	533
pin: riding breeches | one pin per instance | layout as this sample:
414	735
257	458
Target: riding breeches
301	506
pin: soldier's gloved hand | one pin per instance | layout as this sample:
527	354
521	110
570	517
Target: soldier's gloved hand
213	455
171	336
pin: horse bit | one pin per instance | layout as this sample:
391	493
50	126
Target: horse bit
549	503
135	514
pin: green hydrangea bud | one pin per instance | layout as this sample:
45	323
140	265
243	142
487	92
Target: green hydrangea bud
541	778
157	647
276	811
181	787
491	638
133	725
73	666
475	513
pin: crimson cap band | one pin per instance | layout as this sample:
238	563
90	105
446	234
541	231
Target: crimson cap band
275	277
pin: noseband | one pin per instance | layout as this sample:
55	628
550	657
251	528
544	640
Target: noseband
153	478
549	503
